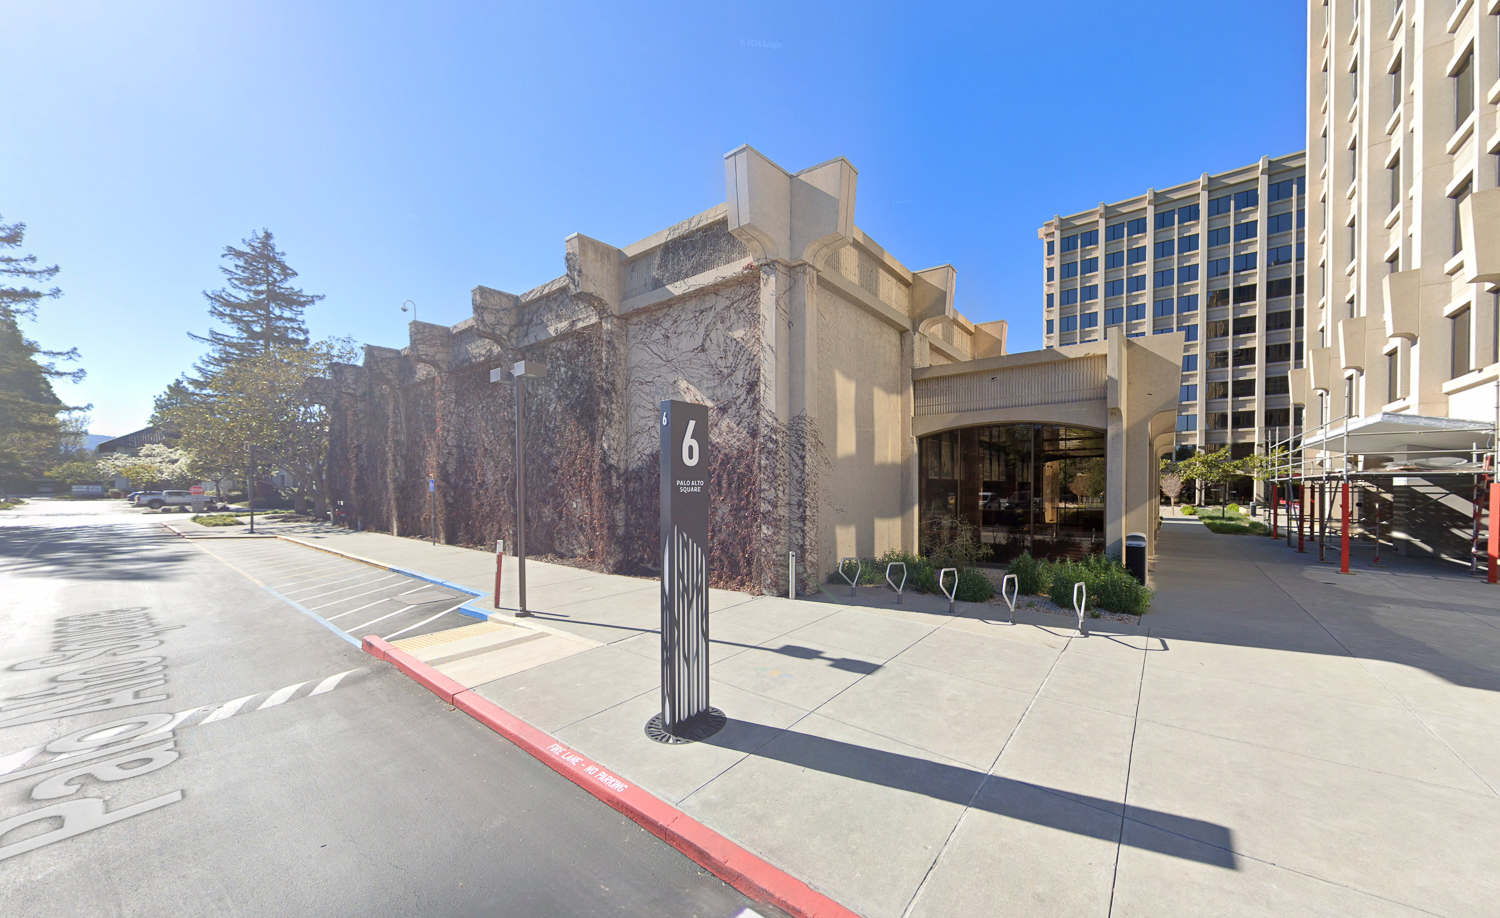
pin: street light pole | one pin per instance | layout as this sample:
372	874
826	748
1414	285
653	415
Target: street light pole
250	489
413	309
521	370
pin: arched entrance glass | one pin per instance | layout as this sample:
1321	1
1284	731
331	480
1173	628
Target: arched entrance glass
1014	488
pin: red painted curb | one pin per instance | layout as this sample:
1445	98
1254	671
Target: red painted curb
726	860
437	683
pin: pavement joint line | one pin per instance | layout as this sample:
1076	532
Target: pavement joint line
730	862
343	635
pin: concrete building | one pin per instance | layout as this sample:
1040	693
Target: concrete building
854	409
1218	259
1404	226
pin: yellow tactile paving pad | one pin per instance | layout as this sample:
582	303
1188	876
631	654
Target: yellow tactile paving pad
452	634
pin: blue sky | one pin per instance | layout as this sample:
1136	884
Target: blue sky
415	151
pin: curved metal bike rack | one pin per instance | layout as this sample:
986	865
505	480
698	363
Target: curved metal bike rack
859	572
947	592
902	587
1011	597
1080	601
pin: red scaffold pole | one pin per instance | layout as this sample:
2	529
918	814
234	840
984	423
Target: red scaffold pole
1494	547
1302	516
1344	560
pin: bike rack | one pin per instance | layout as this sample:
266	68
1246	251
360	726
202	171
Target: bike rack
947	592
859	572
1079	602
1010	600
898	589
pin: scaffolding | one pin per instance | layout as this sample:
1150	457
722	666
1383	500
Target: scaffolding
1370	460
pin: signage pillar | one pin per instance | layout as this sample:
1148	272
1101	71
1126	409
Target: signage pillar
685	505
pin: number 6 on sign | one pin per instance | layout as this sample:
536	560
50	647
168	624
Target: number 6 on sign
689	445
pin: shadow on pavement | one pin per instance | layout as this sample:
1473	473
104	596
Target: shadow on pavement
1177	836
89	551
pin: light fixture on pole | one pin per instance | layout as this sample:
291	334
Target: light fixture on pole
522	370
404	304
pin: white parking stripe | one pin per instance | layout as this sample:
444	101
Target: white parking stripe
228	710
355	596
322	585
361	608
279	696
380	619
328	685
418	588
423	622
354	587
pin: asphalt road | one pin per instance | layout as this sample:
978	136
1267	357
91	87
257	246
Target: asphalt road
177	739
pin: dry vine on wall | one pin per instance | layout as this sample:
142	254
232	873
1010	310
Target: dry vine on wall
592	457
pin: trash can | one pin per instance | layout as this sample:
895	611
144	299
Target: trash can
1135	555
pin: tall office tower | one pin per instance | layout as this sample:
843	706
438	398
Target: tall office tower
1219	259
1402	137
1405	235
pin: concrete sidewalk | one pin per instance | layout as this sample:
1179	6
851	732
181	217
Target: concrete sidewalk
1273	739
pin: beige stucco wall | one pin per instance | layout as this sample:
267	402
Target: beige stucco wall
859	384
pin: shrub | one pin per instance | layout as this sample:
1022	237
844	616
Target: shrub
1237	527
1107	583
1032	576
921	576
216	519
1189	510
973	586
1064	575
1233	508
1112	587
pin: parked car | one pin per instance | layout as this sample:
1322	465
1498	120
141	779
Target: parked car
156	500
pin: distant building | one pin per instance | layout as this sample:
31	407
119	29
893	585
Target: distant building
1219	259
146	436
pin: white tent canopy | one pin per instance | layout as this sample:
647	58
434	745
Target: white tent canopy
1388	433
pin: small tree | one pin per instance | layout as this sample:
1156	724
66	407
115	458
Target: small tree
261	400
1171	480
1217	467
154	464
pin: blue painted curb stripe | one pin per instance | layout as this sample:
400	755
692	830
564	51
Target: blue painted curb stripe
312	615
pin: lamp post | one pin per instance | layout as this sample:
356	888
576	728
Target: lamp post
404	304
522	370
250	488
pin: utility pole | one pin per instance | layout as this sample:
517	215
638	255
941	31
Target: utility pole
523	369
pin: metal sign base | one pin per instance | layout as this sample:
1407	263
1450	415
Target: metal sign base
696	730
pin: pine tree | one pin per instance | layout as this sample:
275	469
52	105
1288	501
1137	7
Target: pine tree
261	308
30	431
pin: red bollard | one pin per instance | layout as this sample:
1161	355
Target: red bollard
1320	513
1344	560
1274	508
1494	548
499	561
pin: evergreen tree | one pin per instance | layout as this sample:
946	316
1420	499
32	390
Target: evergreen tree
30	431
261	308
